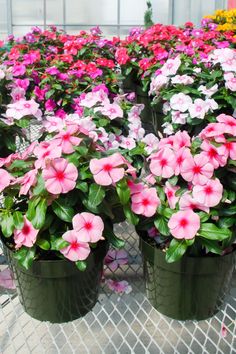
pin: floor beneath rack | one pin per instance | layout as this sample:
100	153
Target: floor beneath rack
119	323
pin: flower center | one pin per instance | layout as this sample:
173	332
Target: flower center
170	194
198	108
107	167
145	202
66	137
25	230
183	222
180	160
74	245
88	225
212	152
196	169
163	162
60	176
27	105
208	190
228	145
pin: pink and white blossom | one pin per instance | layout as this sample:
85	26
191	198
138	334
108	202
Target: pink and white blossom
178	117
163	163
198	109
88	227
151	142
25	236
208	92
182	79
171	66
111	110
230	81
67	140
170	193
76	250
197	169
127	143
145	202
180	102
46	150
184	224
209	194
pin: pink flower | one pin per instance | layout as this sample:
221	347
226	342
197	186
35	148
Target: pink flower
25	236
6	280
119	287
145	202
66	139
111	110
210	194
60	176
212	130
50	105
228	149
197	169
107	170
182	79
18	70
53	124
29	180
127	143
115	258
180	140
46	150
184	224
135	187
224	331
170	193
5	179
213	154
76	251
180	102
151	142
88	227
158	82
171	66
180	156
163	163
230	81
187	202
17	94
198	109
229	123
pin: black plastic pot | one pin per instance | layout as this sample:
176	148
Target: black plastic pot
152	117
193	288
55	290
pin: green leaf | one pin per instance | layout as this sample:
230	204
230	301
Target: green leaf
96	194
161	193
8	202
228	211
7	224
112	238
167	212
44	244
176	250
25	256
40	214
49	94
40	186
18	220
162	226
83	186
57	243
203	216
64	212
23	122
123	191
20	164
226	222
82	150
81	265
130	216
212	232
33	202
211	245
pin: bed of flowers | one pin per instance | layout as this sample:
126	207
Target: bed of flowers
224	19
187	202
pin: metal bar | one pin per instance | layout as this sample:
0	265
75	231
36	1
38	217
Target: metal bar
80	25
9	16
118	17
44	14
171	12
64	14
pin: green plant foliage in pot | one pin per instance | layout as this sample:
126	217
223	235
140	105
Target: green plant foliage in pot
186	211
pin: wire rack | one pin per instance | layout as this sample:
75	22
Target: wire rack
119	323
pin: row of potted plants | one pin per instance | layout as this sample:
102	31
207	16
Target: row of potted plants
94	165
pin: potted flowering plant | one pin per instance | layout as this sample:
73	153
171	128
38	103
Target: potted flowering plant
186	210
61	197
193	93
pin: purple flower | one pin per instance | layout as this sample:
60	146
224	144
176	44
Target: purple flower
95	30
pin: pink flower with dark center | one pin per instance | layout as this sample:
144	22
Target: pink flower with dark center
46	150
135	187
228	149
116	258
212	130
5	179
28	180
213	154
184	224
197	169
77	250
88	227
66	139
210	194
180	156
119	287
107	170
17	94
187	202
145	202
25	236
229	122
180	140
170	193
60	176
163	163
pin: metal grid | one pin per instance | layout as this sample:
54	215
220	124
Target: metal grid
124	323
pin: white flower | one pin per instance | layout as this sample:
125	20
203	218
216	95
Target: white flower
168	129
230	81
211	105
180	102
158	82
151	142
198	109
178	117
166	107
208	92
182	79
2	74
127	143
171	66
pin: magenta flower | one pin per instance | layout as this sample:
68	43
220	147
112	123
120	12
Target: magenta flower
77	250
184	224
88	227
170	193
67	141
5	179
50	105
163	163
25	236
197	169
210	194
18	70
60	176
145	202
116	258
107	170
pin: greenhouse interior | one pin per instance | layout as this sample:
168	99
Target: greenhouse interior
117	176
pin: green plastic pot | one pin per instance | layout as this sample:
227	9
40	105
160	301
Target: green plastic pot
151	116
56	290
193	288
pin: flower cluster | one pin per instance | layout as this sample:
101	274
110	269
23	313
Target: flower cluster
188	193
224	19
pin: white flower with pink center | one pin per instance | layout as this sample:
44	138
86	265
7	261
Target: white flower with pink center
88	227
127	143
178	117
180	102
17	94
66	139
107	170
90	99
170	193
53	124
168	128
171	66
76	250
230	81
111	110
208	92
187	202
226	57
211	105
23	108
182	79
151	142
209	194
145	202
25	236
184	224
197	169
60	176
157	83
136	131
163	163
134	113
198	109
